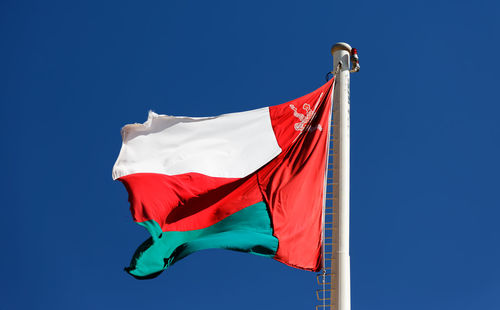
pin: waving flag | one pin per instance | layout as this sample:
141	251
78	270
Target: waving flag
251	181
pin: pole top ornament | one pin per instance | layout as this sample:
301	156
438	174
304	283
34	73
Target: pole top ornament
353	52
341	46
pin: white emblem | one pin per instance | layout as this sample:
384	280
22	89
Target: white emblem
305	118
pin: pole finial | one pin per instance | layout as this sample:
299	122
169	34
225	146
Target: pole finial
341	46
352	55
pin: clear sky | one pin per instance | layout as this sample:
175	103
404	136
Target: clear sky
425	145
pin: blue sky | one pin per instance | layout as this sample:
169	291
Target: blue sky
424	162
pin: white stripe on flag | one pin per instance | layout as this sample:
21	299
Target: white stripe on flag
231	145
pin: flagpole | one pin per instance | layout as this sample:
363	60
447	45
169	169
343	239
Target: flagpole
341	107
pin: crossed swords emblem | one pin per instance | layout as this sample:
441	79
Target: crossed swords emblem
305	118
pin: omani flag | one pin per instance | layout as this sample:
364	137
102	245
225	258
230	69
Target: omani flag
251	181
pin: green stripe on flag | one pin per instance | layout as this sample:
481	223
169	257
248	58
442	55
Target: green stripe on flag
248	230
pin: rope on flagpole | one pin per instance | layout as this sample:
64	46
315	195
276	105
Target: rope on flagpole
324	271
331	74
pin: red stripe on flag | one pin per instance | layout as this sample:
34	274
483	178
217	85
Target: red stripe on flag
188	201
293	182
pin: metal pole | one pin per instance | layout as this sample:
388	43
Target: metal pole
341	54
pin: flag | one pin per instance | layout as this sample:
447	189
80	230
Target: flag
251	181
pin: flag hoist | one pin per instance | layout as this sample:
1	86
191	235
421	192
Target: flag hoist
335	277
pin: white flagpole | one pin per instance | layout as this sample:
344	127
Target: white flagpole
341	54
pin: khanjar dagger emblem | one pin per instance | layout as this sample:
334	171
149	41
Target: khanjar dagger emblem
305	118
